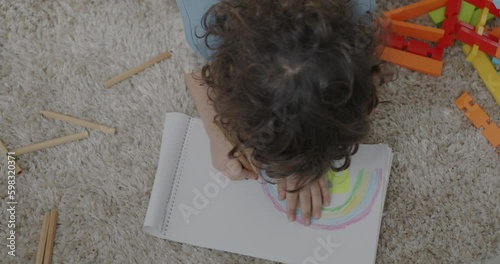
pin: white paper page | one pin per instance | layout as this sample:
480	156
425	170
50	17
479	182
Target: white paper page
171	145
240	218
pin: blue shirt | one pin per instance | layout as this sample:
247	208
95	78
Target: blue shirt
192	12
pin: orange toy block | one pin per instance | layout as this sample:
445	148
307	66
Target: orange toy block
415	30
479	118
495	31
474	112
414	10
492	133
412	61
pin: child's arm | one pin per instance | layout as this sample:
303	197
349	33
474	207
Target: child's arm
218	146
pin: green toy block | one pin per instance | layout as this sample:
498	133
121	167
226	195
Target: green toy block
475	17
465	15
466	12
437	16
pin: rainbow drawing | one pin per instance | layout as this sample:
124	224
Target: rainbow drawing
356	207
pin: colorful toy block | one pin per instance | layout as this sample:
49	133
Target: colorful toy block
482	21
412	61
485	44
486	71
475	16
415	30
450	23
413	46
489	34
479	30
414	10
437	16
486	3
479	118
465	14
495	31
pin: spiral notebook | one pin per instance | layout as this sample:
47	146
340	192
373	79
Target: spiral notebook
193	203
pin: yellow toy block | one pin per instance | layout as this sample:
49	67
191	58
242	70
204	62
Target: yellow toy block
486	71
482	21
479	30
472	54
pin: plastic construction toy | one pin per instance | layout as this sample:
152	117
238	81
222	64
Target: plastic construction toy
486	71
413	54
412	61
479	119
468	14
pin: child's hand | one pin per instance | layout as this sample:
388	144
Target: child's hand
311	198
232	168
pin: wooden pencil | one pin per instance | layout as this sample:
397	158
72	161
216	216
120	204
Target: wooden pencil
43	239
79	122
136	69
4	151
51	234
51	143
230	143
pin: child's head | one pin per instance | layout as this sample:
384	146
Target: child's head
293	80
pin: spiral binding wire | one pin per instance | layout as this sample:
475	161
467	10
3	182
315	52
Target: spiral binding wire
178	171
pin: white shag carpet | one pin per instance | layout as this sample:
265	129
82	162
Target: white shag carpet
443	199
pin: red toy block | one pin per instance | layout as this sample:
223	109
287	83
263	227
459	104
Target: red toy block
452	8
419	48
468	36
437	54
450	23
396	41
493	34
413	46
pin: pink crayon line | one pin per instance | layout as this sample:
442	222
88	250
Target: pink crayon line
356	219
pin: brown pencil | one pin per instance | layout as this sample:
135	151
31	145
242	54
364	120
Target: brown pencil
43	239
136	69
51	143
241	158
79	122
4	151
51	234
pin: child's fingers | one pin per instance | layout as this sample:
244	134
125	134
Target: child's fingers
325	193
246	174
305	206
281	189
233	170
291	205
316	200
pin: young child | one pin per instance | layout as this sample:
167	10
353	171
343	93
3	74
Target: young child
292	81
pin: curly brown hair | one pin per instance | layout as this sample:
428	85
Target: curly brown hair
293	80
